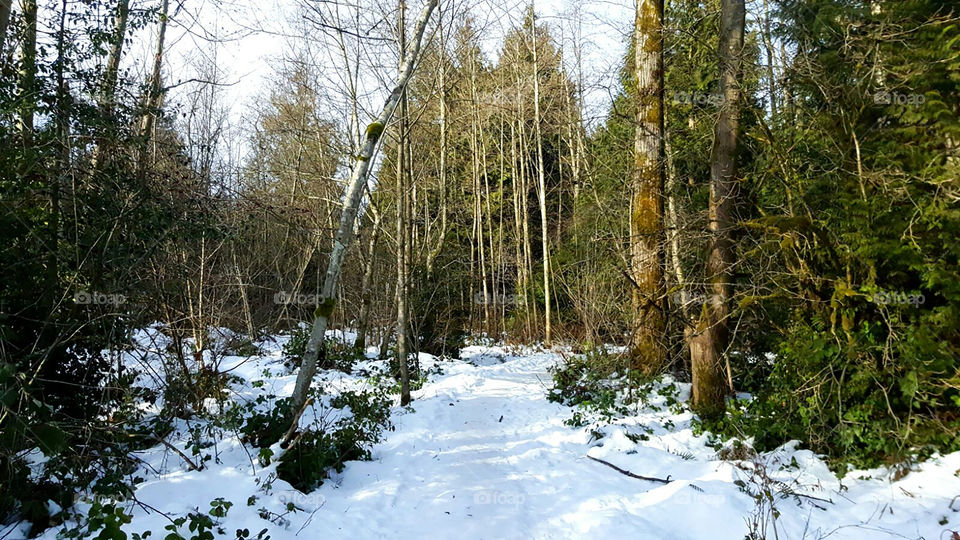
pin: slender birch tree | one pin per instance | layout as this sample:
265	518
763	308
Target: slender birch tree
345	232
541	178
402	223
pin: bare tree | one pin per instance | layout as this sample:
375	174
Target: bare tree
366	296
403	230
345	232
541	180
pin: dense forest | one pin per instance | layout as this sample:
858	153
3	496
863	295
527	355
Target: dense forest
765	217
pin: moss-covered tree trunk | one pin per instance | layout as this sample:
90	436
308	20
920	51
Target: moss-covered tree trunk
711	337
648	351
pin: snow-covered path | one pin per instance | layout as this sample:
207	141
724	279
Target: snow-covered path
485	455
482	454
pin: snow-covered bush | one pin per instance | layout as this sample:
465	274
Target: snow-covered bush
309	461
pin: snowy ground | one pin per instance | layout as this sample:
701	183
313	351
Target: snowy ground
481	453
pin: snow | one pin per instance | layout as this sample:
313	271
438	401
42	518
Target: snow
481	453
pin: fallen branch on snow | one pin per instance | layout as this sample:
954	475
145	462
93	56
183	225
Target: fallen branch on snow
193	466
630	474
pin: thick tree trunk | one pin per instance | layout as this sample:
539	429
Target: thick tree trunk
711	337
345	233
648	352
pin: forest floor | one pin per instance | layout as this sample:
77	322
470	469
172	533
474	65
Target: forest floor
482	453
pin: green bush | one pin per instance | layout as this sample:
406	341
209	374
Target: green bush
336	354
264	428
842	400
296	346
308	462
584	378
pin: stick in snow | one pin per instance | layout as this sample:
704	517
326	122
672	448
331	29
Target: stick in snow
630	474
193	466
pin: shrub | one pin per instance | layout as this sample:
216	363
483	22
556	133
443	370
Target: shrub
308	462
264	428
336	354
296	346
584	378
842	400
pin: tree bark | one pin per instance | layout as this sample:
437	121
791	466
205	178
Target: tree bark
58	179
403	231
709	342
345	233
648	352
109	89
475	161
435	252
768	47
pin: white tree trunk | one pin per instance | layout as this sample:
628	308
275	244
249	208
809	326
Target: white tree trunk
345	232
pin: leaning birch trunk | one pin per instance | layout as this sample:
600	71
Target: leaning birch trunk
709	343
344	236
